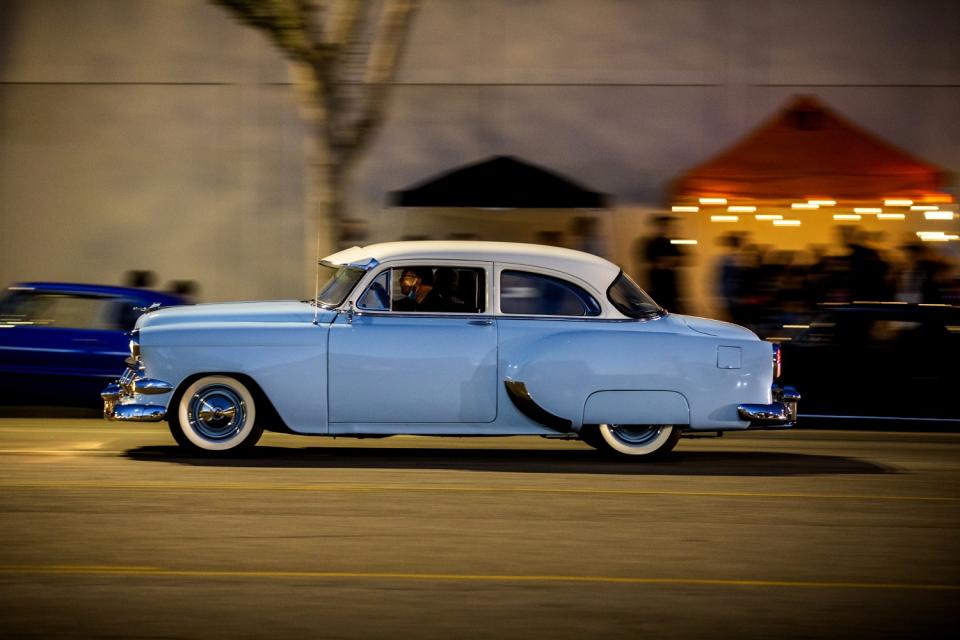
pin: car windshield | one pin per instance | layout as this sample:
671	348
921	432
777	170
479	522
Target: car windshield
632	301
336	282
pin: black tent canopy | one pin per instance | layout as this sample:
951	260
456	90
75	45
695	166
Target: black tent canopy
499	182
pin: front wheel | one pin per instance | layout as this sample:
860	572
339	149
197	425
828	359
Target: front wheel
648	441
215	414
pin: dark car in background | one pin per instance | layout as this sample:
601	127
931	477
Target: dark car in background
61	343
877	362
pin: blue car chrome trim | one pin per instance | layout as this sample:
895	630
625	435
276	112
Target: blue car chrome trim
526	405
137	413
118	396
366	265
149	386
780	414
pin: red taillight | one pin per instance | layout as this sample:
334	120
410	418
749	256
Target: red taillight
777	361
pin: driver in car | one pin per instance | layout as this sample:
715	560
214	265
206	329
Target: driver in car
416	285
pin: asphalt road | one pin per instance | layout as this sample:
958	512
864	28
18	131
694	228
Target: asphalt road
108	531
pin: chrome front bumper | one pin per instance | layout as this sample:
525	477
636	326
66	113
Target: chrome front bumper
780	414
119	397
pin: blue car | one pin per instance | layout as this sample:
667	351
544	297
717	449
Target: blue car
451	339
60	342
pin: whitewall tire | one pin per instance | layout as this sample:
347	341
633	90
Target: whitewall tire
217	414
636	440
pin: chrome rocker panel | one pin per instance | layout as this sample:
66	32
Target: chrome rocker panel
780	414
118	398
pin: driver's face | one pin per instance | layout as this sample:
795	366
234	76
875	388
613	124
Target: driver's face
409	281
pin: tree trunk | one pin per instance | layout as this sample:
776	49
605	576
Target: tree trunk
322	185
320	237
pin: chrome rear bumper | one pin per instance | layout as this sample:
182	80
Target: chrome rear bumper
780	414
118	398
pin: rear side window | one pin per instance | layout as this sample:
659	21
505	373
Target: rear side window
535	294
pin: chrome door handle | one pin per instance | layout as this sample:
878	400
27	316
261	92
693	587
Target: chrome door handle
481	323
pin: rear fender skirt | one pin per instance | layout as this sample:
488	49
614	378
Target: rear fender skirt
526	405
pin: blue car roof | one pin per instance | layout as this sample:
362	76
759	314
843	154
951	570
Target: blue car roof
165	299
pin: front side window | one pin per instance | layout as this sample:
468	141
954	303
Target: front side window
426	288
336	283
525	293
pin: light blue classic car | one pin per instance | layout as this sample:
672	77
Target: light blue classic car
451	339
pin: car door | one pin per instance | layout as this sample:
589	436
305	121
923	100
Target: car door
108	348
389	366
57	345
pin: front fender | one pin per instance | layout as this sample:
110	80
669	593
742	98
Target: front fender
288	361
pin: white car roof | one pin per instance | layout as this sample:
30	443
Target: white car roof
590	268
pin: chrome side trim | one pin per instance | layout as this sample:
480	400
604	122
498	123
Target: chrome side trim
138	413
111	392
150	386
764	413
153	307
432	314
118	397
780	414
526	405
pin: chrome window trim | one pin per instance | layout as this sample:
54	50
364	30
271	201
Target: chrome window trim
366	265
511	316
423	314
349	295
604	304
660	310
374	272
488	316
360	310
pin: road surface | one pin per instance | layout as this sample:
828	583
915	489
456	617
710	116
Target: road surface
107	530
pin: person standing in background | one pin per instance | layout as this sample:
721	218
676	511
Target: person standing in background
663	260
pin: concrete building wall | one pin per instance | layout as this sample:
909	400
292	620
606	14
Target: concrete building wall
162	135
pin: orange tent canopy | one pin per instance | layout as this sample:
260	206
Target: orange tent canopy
808	151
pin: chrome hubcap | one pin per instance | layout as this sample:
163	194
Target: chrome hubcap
635	436
216	413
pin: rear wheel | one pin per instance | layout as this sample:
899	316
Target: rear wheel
215	414
648	441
